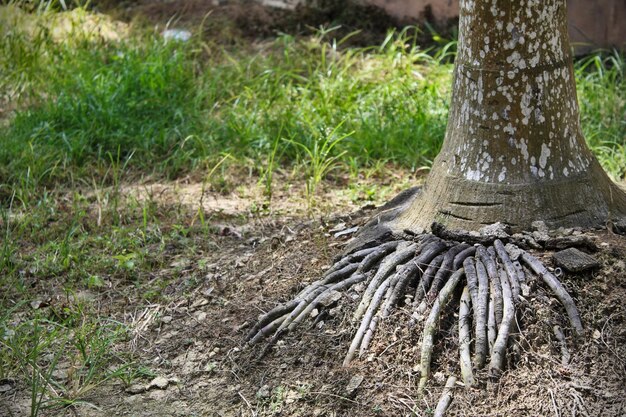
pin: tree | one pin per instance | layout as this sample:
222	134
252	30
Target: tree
513	154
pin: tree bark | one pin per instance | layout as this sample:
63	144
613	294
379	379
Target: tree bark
514	151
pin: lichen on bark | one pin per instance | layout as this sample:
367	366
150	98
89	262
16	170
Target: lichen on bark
514	150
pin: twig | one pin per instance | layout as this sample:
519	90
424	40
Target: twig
247	403
560	337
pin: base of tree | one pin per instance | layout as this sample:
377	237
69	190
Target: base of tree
482	275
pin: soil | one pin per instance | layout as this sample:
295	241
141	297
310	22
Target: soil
233	21
264	257
194	341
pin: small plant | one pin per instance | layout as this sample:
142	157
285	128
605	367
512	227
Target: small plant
319	158
25	350
6	254
268	172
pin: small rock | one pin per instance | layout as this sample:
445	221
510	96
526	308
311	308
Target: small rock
292	396
499	230
540	237
314	313
562	231
60	374
159	382
513	251
158	395
330	298
263	392
574	260
166	319
354	383
200	303
620	226
6	386
439	377
201	316
136	389
539	226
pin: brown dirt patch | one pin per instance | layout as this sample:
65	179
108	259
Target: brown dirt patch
196	339
234	20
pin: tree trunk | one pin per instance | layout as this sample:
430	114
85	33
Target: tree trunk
514	151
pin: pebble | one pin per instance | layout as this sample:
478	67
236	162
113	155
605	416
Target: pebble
159	382
354	383
263	392
136	389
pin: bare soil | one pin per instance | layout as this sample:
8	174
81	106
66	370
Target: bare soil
194	339
234	21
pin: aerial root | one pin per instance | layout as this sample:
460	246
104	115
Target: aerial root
557	288
500	344
560	337
465	338
422	274
431	325
446	397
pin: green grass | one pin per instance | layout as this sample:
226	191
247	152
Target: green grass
83	117
601	83
172	107
167	109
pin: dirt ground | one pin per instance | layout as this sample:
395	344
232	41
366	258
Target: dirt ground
194	342
262	257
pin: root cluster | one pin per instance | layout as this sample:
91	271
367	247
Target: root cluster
487	280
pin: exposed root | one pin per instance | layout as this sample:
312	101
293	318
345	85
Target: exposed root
429	268
480	316
446	397
509	268
559	291
499	346
431	326
465	338
560	337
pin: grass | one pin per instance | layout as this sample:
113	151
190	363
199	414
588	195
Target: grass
84	114
166	108
601	84
172	106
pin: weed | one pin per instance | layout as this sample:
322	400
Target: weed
319	158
